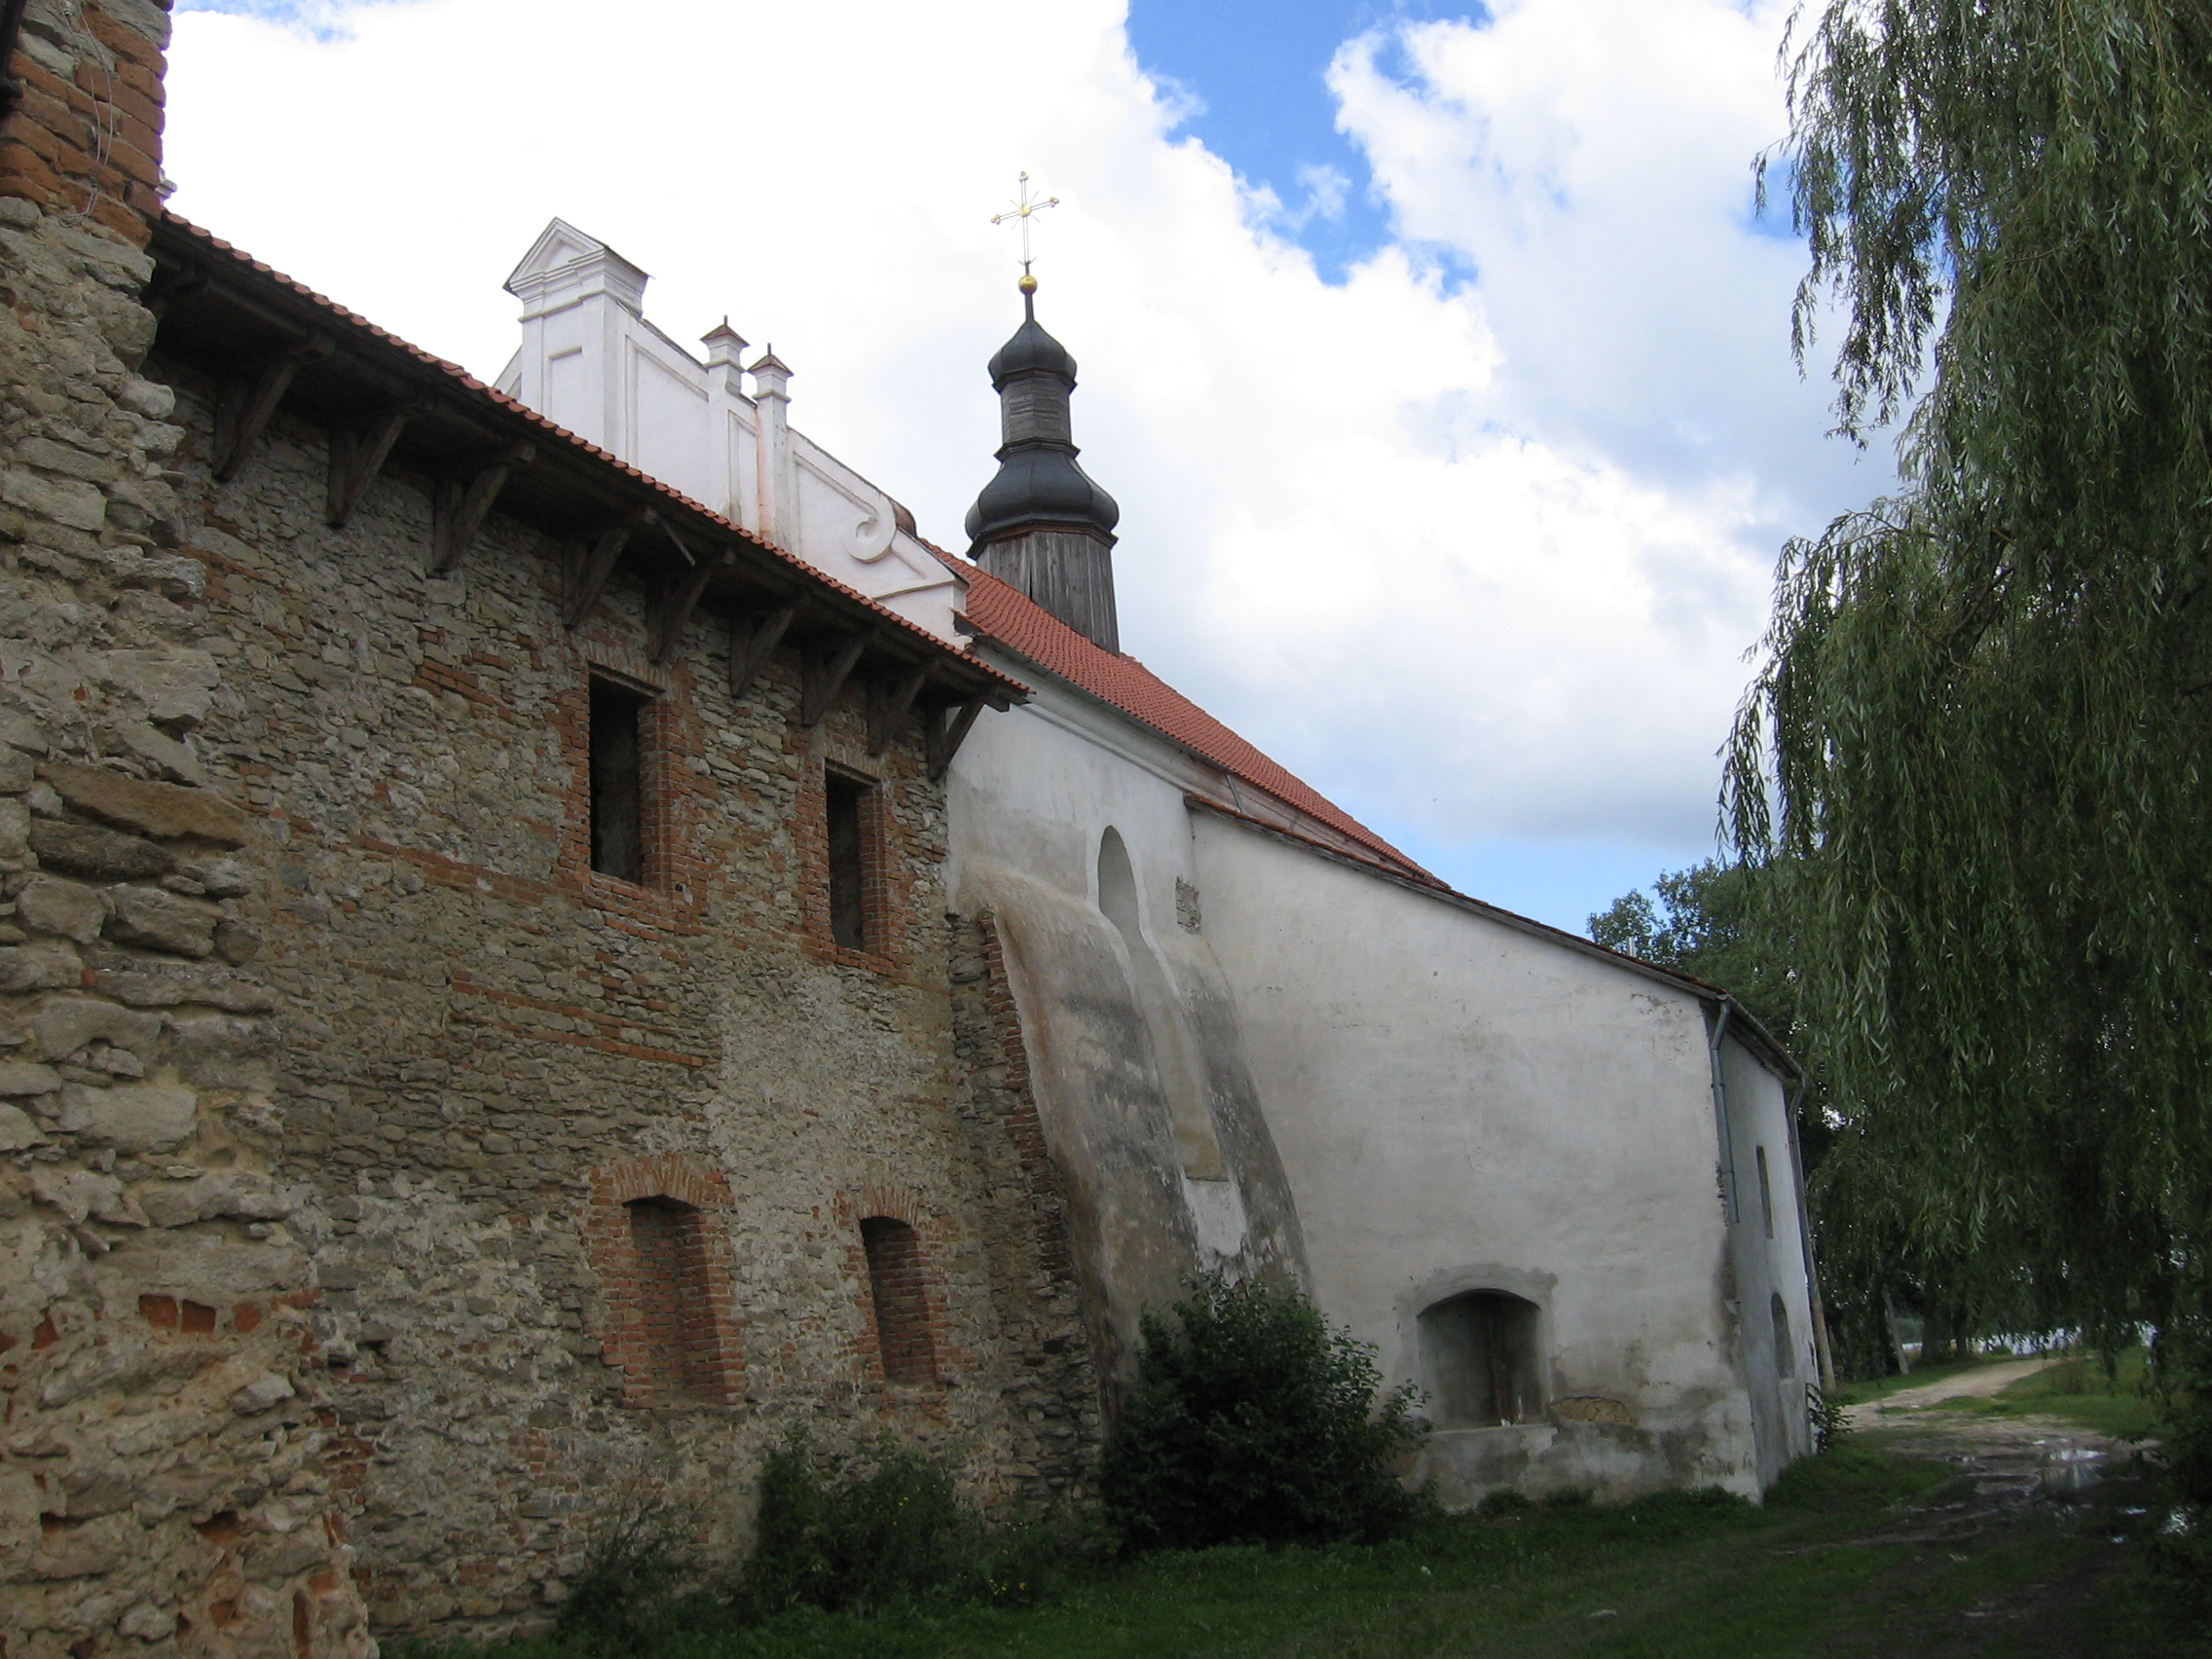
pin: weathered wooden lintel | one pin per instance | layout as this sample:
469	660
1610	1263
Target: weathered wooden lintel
458	510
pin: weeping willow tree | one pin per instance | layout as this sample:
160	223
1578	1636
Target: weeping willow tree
1975	758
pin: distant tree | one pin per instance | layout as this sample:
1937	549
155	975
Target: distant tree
1976	767
1706	923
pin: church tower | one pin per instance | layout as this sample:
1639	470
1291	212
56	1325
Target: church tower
1042	524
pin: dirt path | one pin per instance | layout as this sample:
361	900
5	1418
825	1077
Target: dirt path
1979	1383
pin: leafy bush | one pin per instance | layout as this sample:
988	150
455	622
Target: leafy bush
841	1532
645	1553
1252	1422
1832	1420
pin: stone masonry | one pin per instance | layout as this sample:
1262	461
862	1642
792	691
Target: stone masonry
355	1128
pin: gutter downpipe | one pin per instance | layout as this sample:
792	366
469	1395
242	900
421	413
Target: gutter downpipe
1805	1240
1727	1141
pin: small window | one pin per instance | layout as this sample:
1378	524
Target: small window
1785	1351
1480	1353
847	812
673	1303
1766	1194
901	1307
617	782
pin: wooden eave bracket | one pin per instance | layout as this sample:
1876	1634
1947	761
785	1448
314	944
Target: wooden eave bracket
888	701
244	405
945	730
585	566
673	607
358	452
753	641
823	672
458	510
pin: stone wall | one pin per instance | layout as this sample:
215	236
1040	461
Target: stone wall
330	1067
488	1049
163	1416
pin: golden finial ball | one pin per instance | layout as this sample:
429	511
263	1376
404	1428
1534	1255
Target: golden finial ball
1028	283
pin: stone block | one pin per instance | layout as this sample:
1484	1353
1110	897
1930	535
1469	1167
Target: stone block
16	774
67	1023
100	855
169	985
51	906
15	827
20	1077
130	1117
240	1194
154	920
38	968
80	506
149	808
172	683
236	943
17	1133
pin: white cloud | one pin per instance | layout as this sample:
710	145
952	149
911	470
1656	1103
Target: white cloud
1478	556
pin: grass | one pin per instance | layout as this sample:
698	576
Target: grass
1838	1564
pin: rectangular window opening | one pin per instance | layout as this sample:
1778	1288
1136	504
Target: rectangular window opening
848	864
1766	1194
617	782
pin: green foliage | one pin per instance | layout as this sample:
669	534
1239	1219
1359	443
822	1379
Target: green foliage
1973	766
1831	1420
841	1532
1253	1423
1708	924
644	1555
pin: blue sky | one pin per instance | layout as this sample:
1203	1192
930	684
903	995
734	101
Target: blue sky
1433	352
1254	77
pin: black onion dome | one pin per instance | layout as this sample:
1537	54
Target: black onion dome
1040	486
1031	350
1038	483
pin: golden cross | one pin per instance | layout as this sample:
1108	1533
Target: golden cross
1025	207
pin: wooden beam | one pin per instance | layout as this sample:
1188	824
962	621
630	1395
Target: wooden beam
888	701
823	672
585	570
752	642
179	282
458	510
244	406
947	730
675	603
358	454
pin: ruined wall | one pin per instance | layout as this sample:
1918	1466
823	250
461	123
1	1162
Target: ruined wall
162	1417
328	1066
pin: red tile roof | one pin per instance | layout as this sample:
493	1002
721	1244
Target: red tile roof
470	384
1006	614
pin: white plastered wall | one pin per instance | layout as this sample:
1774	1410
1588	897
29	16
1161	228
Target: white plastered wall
1461	1104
